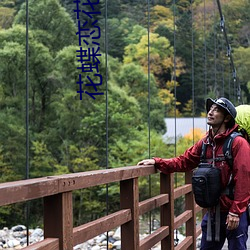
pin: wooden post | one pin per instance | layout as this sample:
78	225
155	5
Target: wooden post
129	198
167	210
58	219
190	205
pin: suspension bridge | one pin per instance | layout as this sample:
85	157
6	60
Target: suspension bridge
56	192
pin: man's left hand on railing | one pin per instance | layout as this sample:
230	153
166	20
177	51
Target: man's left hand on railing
146	162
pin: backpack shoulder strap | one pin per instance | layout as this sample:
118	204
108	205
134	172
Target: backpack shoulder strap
227	148
203	152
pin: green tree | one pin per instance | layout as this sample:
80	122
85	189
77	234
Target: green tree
132	78
52	25
242	64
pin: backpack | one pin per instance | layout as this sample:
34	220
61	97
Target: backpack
243	120
206	185
206	179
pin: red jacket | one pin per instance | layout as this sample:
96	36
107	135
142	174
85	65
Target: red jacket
241	167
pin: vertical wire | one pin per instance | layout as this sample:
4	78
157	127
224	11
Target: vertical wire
27	207
107	113
229	83
175	88
215	51
174	76
205	50
222	69
193	96
175	95
236	89
149	121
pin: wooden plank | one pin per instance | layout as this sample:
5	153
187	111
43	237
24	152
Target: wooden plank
129	195
154	238
167	210
46	244
90	230
198	209
58	219
198	231
190	205
182	218
185	244
178	192
152	203
100	177
24	190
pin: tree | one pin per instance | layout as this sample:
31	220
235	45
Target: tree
119	35
132	78
50	22
6	17
161	16
242	64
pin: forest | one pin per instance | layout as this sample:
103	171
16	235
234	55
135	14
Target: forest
156	59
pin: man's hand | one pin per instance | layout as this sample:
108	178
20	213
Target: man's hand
146	162
232	221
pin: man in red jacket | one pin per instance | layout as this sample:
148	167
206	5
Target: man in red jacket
221	115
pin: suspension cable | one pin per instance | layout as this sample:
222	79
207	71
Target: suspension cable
215	51
27	207
229	53
107	111
175	95
205	50
149	120
174	71
192	76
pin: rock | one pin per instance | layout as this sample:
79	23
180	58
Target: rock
117	234
18	228
111	240
100	238
111	233
95	248
16	238
13	243
38	232
3	233
117	245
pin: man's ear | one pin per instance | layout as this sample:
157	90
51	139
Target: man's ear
228	118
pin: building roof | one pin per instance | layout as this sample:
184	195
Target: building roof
178	127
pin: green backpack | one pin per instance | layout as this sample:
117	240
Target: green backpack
243	120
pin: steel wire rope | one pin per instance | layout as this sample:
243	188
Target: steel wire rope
236	83
215	51
221	45
174	76
222	68
106	109
175	95
27	206
149	120
205	48
192	71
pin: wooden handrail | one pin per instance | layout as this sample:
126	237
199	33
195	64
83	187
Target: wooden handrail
56	191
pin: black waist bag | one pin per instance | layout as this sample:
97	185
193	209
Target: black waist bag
206	182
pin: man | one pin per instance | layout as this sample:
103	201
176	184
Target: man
221	115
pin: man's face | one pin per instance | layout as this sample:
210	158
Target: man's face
215	116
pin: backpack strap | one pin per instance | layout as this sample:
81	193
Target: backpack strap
227	151
203	152
227	148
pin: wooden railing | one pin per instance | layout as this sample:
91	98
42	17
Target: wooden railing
59	232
